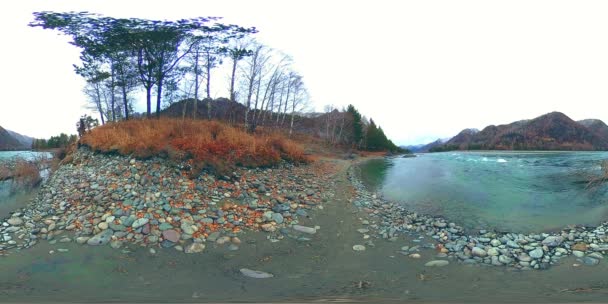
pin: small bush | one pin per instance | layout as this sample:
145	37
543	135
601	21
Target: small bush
599	180
208	144
25	175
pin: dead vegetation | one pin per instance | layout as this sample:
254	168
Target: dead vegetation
600	179
24	174
204	143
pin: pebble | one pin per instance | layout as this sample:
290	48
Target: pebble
171	235
553	241
278	218
139	222
101	238
304	229
115	244
532	251
596	255
493	251
504	259
536	253
476	251
580	247
15	221
589	261
358	248
256	274
233	247
82	239
578	254
268	227
437	263
222	240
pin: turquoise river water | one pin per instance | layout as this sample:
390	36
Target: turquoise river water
507	191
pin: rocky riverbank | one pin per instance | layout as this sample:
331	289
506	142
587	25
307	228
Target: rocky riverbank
387	220
109	199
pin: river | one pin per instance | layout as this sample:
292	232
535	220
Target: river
506	191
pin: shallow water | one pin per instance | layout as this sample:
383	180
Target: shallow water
508	191
10	201
27	155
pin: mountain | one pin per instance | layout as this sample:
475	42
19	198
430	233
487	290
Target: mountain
413	148
8	142
595	125
24	140
463	137
425	147
552	131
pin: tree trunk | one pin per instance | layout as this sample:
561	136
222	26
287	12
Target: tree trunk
252	78
208	84
234	62
286	102
159	94
103	122
333	131
265	112
327	126
265	97
269	109
255	107
125	101
291	124
341	128
208	76
280	105
249	94
149	101
196	86
112	88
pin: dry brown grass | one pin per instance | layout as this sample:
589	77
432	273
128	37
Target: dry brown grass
372	154
24	174
601	179
209	143
27	174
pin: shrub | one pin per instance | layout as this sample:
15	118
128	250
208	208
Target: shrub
209	144
25	174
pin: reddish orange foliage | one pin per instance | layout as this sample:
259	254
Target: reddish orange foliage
210	143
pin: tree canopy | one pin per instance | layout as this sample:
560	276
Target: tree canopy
120	51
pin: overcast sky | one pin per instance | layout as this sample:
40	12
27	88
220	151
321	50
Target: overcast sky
421	69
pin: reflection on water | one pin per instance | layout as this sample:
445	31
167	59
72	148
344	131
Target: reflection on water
513	191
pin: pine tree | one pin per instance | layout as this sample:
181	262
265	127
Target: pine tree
357	126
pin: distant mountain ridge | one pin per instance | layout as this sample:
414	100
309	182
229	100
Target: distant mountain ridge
552	131
595	125
10	140
23	139
426	147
